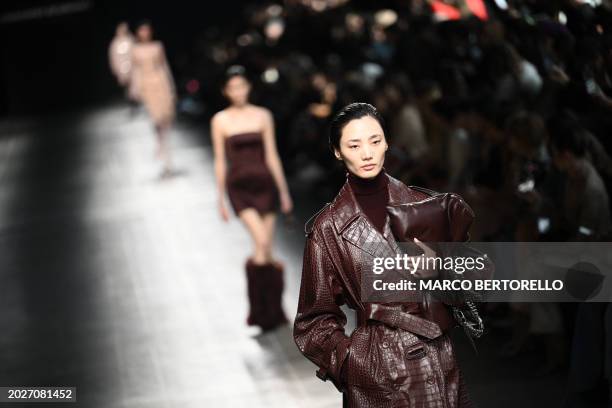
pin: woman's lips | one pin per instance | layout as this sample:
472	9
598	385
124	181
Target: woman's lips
368	167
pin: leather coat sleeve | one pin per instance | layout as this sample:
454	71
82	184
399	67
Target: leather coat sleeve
319	325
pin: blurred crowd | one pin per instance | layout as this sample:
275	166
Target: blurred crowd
507	102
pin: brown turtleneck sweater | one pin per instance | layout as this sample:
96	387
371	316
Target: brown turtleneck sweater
372	196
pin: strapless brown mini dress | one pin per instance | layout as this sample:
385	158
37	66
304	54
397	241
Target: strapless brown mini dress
249	182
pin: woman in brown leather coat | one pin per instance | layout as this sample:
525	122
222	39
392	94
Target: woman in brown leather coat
400	355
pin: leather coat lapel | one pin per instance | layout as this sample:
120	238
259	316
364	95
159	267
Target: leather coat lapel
354	226
362	234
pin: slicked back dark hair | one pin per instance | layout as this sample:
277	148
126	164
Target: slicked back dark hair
351	112
144	22
232	72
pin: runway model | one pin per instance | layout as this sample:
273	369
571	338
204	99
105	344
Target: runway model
243	136
120	54
400	354
154	87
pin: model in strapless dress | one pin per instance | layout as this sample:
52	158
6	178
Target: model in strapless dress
249	181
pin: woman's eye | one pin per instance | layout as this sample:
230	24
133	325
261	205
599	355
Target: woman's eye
376	142
353	147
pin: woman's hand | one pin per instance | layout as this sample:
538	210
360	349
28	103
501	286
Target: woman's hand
429	253
223	211
286	203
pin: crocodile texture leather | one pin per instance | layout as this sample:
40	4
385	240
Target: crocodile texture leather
387	361
394	316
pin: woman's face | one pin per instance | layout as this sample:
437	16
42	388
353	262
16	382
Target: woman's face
237	90
362	147
122	29
145	33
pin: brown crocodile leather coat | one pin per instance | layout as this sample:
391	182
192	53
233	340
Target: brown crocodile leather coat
377	365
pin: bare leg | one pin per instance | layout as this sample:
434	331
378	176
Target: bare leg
163	148
269	221
276	282
158	151
257	228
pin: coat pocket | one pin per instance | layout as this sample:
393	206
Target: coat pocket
374	354
417	382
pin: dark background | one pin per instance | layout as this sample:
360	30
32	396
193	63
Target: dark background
52	63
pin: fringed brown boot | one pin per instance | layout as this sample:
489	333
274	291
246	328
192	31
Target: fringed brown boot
275	316
254	292
265	285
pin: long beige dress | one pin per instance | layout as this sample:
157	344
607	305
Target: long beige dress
152	81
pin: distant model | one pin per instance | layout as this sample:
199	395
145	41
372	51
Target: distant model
120	54
154	87
243	135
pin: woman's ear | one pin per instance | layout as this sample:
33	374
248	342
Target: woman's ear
337	154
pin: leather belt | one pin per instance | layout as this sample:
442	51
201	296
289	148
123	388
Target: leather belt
393	316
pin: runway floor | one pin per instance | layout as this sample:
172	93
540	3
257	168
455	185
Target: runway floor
132	289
